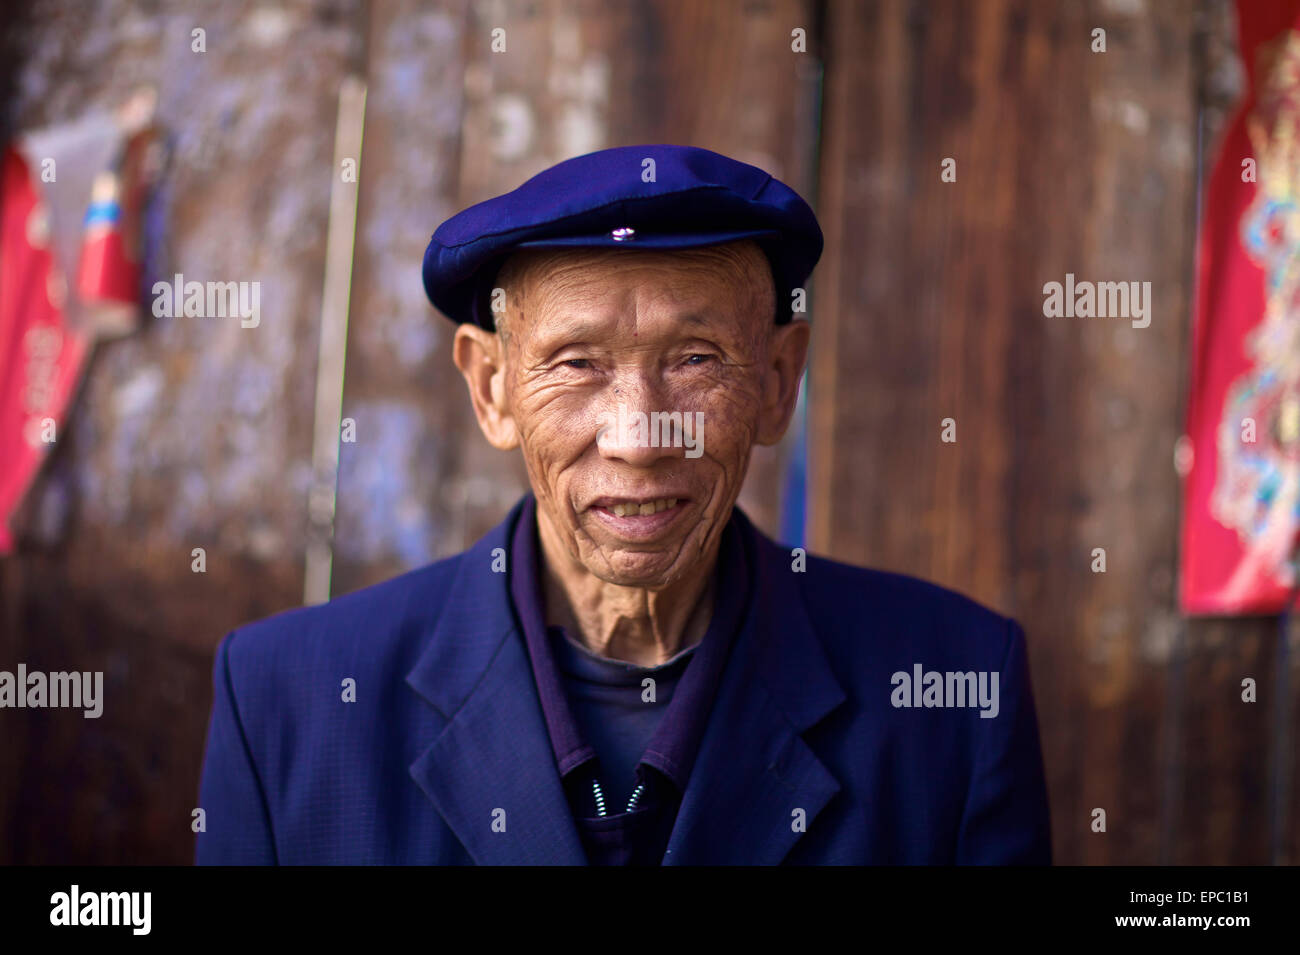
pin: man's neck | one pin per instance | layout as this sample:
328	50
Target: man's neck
632	624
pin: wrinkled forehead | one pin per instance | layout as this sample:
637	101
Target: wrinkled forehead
733	281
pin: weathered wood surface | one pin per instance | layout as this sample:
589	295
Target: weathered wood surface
192	433
931	307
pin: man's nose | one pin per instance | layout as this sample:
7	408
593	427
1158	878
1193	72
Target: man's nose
635	425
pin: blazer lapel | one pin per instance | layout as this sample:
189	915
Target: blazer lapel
754	773
491	771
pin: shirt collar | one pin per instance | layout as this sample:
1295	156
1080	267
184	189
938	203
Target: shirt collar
675	743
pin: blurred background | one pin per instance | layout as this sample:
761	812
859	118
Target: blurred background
928	304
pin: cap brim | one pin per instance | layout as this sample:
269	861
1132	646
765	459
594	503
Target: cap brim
649	240
640	239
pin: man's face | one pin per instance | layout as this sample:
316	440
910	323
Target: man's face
594	340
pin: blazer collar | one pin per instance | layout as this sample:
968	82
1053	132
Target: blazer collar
755	778
491	770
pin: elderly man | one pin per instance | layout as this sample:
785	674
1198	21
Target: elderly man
625	671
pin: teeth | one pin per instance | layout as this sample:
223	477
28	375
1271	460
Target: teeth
644	510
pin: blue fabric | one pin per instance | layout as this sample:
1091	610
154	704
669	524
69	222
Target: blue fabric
695	198
607	702
601	730
672	747
444	756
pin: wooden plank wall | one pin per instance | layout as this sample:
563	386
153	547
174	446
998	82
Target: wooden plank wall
192	433
927	305
931	307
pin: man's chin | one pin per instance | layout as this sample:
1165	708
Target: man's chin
649	571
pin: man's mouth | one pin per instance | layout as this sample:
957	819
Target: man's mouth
638	519
642	509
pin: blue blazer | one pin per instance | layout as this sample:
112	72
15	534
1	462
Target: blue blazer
808	756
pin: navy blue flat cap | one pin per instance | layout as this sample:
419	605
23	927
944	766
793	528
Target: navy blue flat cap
601	200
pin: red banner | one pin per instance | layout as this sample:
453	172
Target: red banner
40	354
1241	498
71	198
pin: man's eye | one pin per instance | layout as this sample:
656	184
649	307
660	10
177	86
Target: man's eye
698	359
579	363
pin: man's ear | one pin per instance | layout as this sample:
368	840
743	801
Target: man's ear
789	352
480	356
